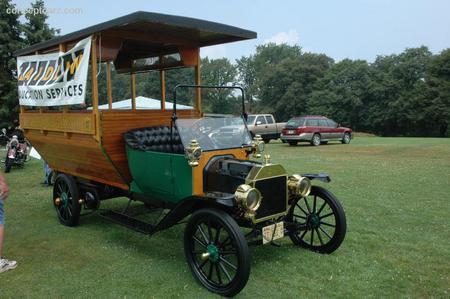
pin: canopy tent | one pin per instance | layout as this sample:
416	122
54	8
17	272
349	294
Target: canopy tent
142	103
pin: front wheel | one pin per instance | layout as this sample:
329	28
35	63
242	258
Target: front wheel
323	219
346	139
217	252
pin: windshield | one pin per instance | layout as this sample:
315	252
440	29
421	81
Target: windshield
251	119
295	122
214	133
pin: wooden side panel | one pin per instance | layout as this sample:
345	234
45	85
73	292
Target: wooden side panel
66	141
79	155
82	123
114	123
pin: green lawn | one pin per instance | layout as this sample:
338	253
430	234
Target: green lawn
395	191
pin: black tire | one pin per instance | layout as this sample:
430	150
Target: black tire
266	140
8	165
316	214
293	143
226	268
315	140
346	138
68	209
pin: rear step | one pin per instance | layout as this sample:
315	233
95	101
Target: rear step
128	221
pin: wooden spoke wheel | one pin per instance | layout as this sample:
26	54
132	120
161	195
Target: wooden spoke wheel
324	218
65	200
217	252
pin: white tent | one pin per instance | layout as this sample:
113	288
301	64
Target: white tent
142	103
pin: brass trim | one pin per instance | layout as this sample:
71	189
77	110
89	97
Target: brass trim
264	172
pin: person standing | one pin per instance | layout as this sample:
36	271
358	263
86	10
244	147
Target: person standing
5	264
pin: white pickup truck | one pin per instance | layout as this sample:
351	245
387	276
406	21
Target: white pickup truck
264	125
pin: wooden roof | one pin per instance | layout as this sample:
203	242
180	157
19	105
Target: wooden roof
165	32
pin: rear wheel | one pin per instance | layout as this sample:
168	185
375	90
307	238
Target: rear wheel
315	140
266	140
292	143
324	219
65	200
217	252
346	139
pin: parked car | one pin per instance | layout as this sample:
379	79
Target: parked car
314	129
265	126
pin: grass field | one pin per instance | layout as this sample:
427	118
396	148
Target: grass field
395	191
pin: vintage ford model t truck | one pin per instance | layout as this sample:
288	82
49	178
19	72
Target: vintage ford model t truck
172	158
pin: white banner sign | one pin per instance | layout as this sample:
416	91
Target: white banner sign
54	79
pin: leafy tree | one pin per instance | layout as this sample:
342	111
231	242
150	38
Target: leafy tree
10	41
247	76
345	94
36	28
285	87
437	110
401	78
218	72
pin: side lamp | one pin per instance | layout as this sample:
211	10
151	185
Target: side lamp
193	153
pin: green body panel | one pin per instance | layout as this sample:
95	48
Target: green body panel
163	176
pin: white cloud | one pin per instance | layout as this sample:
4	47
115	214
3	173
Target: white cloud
214	52
290	38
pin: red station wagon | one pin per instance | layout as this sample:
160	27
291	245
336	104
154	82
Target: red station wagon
314	129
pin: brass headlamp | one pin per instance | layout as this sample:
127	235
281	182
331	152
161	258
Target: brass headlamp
193	152
299	185
248	197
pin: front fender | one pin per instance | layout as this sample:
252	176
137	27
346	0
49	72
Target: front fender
192	204
324	177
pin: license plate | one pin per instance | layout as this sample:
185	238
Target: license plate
291	132
272	232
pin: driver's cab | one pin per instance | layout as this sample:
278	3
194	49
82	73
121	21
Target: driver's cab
167	161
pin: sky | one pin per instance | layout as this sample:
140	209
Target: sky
355	29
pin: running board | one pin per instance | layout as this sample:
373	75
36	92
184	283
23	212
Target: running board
128	221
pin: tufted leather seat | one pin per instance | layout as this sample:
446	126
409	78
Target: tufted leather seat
154	139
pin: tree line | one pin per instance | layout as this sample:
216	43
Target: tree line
406	94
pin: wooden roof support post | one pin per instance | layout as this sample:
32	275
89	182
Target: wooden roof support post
133	91
40	108
94	85
108	84
198	92
62	48
162	81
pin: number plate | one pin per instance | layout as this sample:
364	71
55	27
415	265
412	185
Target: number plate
271	233
291	132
